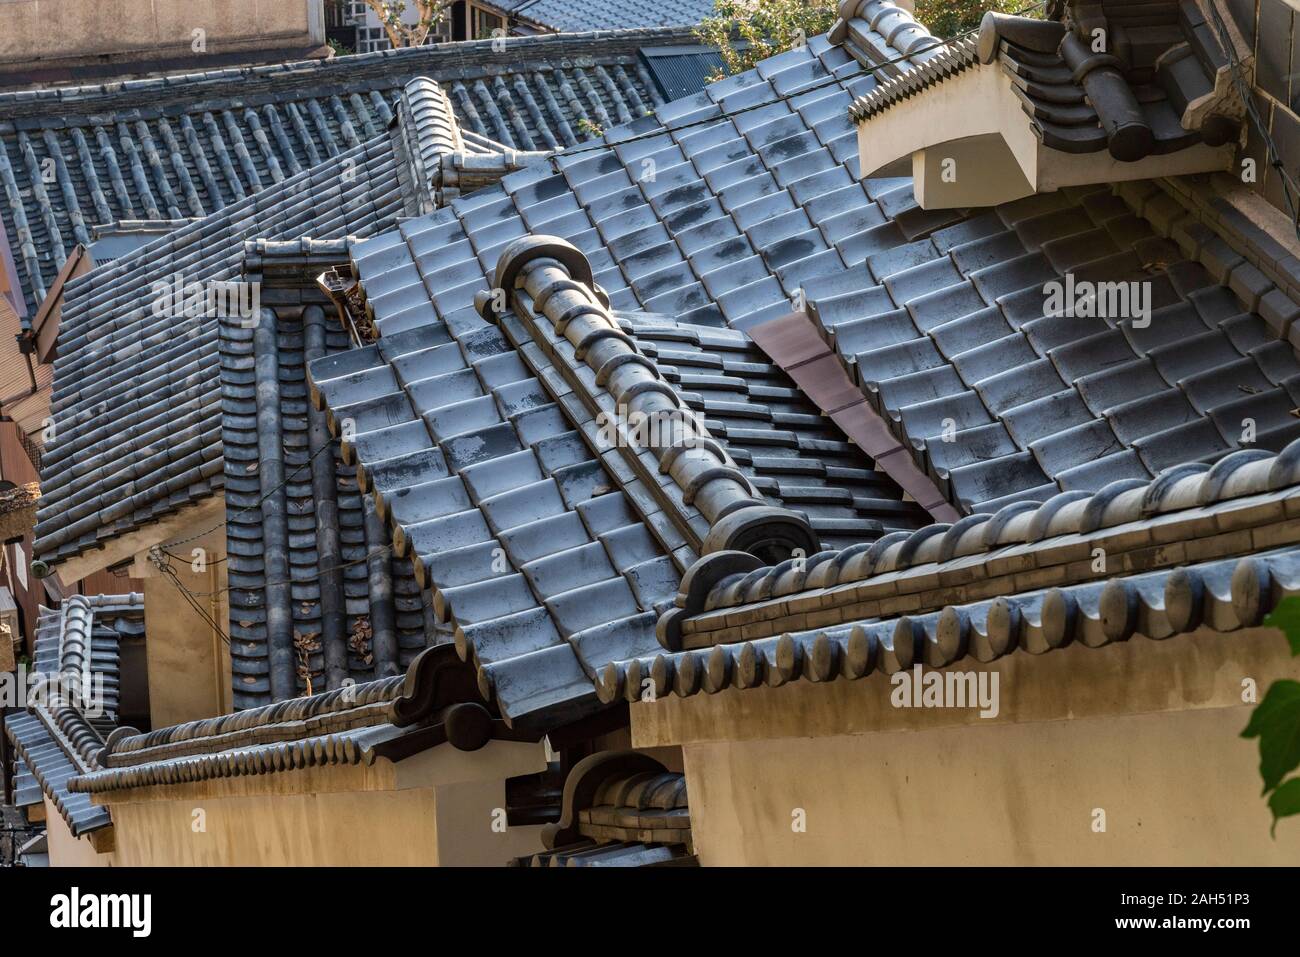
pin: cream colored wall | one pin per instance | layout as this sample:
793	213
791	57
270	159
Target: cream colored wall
68	851
1147	732
1176	789
188	661
64	31
339	829
436	808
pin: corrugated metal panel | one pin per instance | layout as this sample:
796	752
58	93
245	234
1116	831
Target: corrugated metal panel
681	71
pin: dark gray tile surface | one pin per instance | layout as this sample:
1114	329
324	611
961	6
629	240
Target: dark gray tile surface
303	562
569	16
540	566
194	144
136	401
81	638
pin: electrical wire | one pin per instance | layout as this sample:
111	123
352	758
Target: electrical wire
169	573
381	550
249	508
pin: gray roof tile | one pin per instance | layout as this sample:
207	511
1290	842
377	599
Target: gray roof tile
202	142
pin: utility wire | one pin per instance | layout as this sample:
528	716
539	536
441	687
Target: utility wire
169	573
260	502
382	549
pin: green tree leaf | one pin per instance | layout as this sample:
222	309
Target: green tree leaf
1276	722
1286	618
1284	802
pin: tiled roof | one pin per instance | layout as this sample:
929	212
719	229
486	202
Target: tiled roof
190	145
727	219
573	15
50	746
1132	98
82	637
136	405
537	559
433	703
58	738
1158	605
455	426
314	589
1003	397
1199	545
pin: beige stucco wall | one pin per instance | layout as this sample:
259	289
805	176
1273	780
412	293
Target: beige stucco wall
1146	732
36	33
437	808
188	660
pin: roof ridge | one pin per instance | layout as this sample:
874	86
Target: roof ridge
452	49
1224	595
1239	474
651	416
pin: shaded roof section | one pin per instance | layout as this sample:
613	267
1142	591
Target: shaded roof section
619	809
570	16
1197	546
792	454
135	403
682	69
189	145
61	733
316	596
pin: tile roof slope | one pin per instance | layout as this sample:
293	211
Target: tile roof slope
536	556
573	15
726	219
309	558
1214	546
441	262
950	332
57	741
190	145
135	402
418	371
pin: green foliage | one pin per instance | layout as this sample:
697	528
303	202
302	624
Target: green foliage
1286	617
747	31
339	49
589	128
1276	722
948	18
